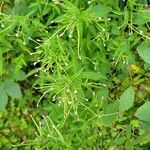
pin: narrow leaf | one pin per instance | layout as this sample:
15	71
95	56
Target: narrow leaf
93	75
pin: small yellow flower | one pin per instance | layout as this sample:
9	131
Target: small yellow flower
135	68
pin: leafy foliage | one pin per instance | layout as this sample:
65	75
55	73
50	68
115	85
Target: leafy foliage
76	72
4	97
127	99
144	51
143	112
12	89
8	88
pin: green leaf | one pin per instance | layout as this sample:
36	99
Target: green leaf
20	75
16	73
142	18
20	9
113	3
145	126
93	75
127	99
143	139
3	97
143	113
32	72
144	51
1	63
102	94
110	114
12	89
100	10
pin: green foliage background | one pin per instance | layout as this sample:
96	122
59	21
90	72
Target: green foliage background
75	74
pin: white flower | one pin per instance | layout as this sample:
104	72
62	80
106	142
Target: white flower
104	85
103	29
36	47
80	57
56	1
75	91
141	32
66	64
131	33
29	38
70	35
2	25
17	34
109	19
38	40
89	2
86	100
99	18
54	98
48	135
36	75
67	90
75	112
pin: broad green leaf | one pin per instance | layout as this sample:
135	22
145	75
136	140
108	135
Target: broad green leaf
100	10
102	94
127	99
115	28
3	98
142	18
145	125
143	139
20	9
20	75
144	51
143	113
16	73
12	89
110	114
